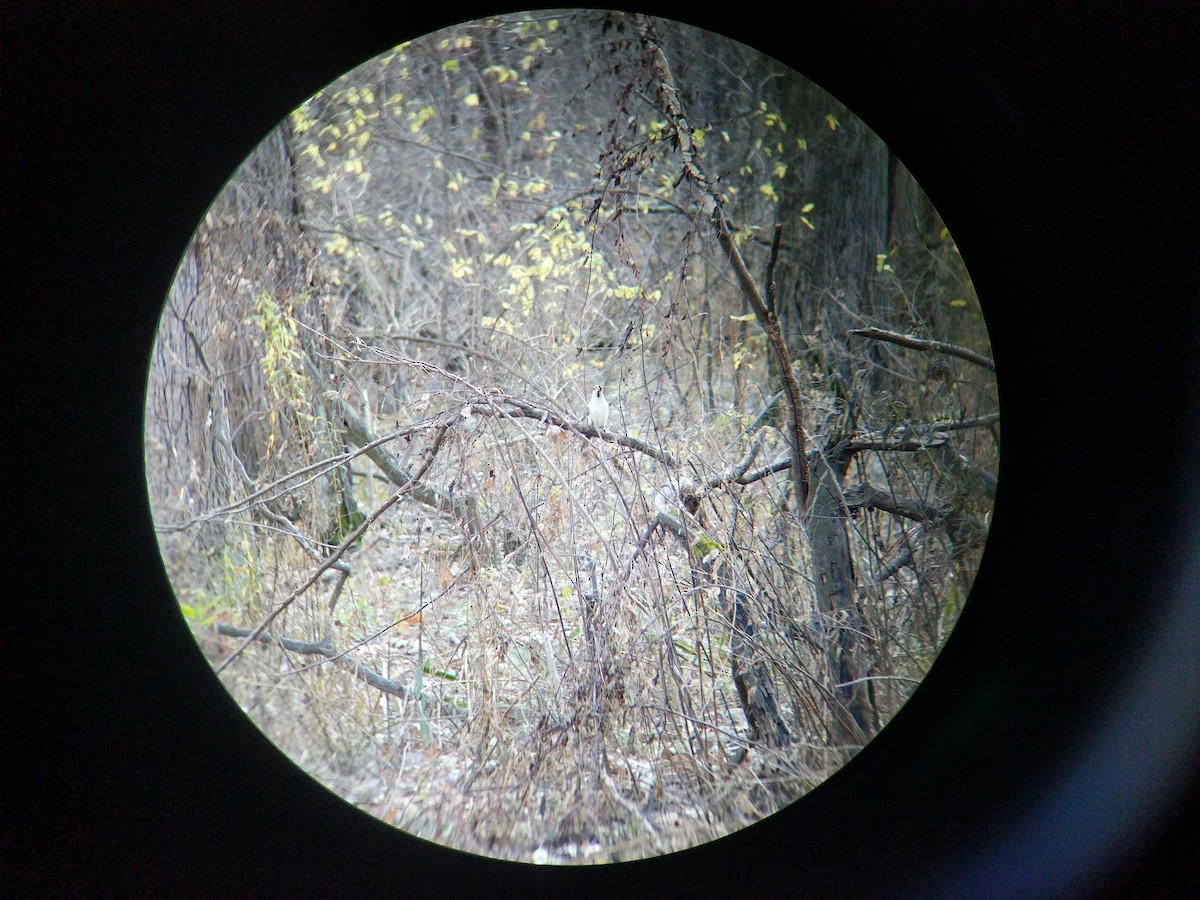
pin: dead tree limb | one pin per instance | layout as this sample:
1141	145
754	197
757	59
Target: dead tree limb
916	436
407	487
340	657
764	308
915	343
960	526
528	410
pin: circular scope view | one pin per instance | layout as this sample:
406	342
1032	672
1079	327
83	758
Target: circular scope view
571	436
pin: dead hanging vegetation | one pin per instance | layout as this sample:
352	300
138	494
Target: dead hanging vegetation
419	566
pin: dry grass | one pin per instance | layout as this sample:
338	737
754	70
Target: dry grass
536	724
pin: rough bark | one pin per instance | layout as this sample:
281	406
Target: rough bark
750	676
205	369
854	719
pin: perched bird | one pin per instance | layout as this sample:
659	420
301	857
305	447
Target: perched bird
598	408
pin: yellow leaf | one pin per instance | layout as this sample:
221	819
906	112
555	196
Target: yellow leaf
471	100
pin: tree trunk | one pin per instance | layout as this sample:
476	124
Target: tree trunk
853	719
207	385
750	676
830	274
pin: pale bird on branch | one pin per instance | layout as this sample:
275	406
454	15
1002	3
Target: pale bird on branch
598	408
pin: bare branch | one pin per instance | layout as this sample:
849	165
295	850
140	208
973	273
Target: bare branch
407	487
763	311
326	649
920	436
897	562
772	262
960	424
915	343
766	471
866	496
528	410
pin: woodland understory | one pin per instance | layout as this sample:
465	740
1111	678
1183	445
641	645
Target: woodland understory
429	578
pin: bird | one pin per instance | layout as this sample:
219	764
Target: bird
598	408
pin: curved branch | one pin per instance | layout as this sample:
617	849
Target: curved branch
866	496
407	487
915	343
326	649
763	308
524	409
